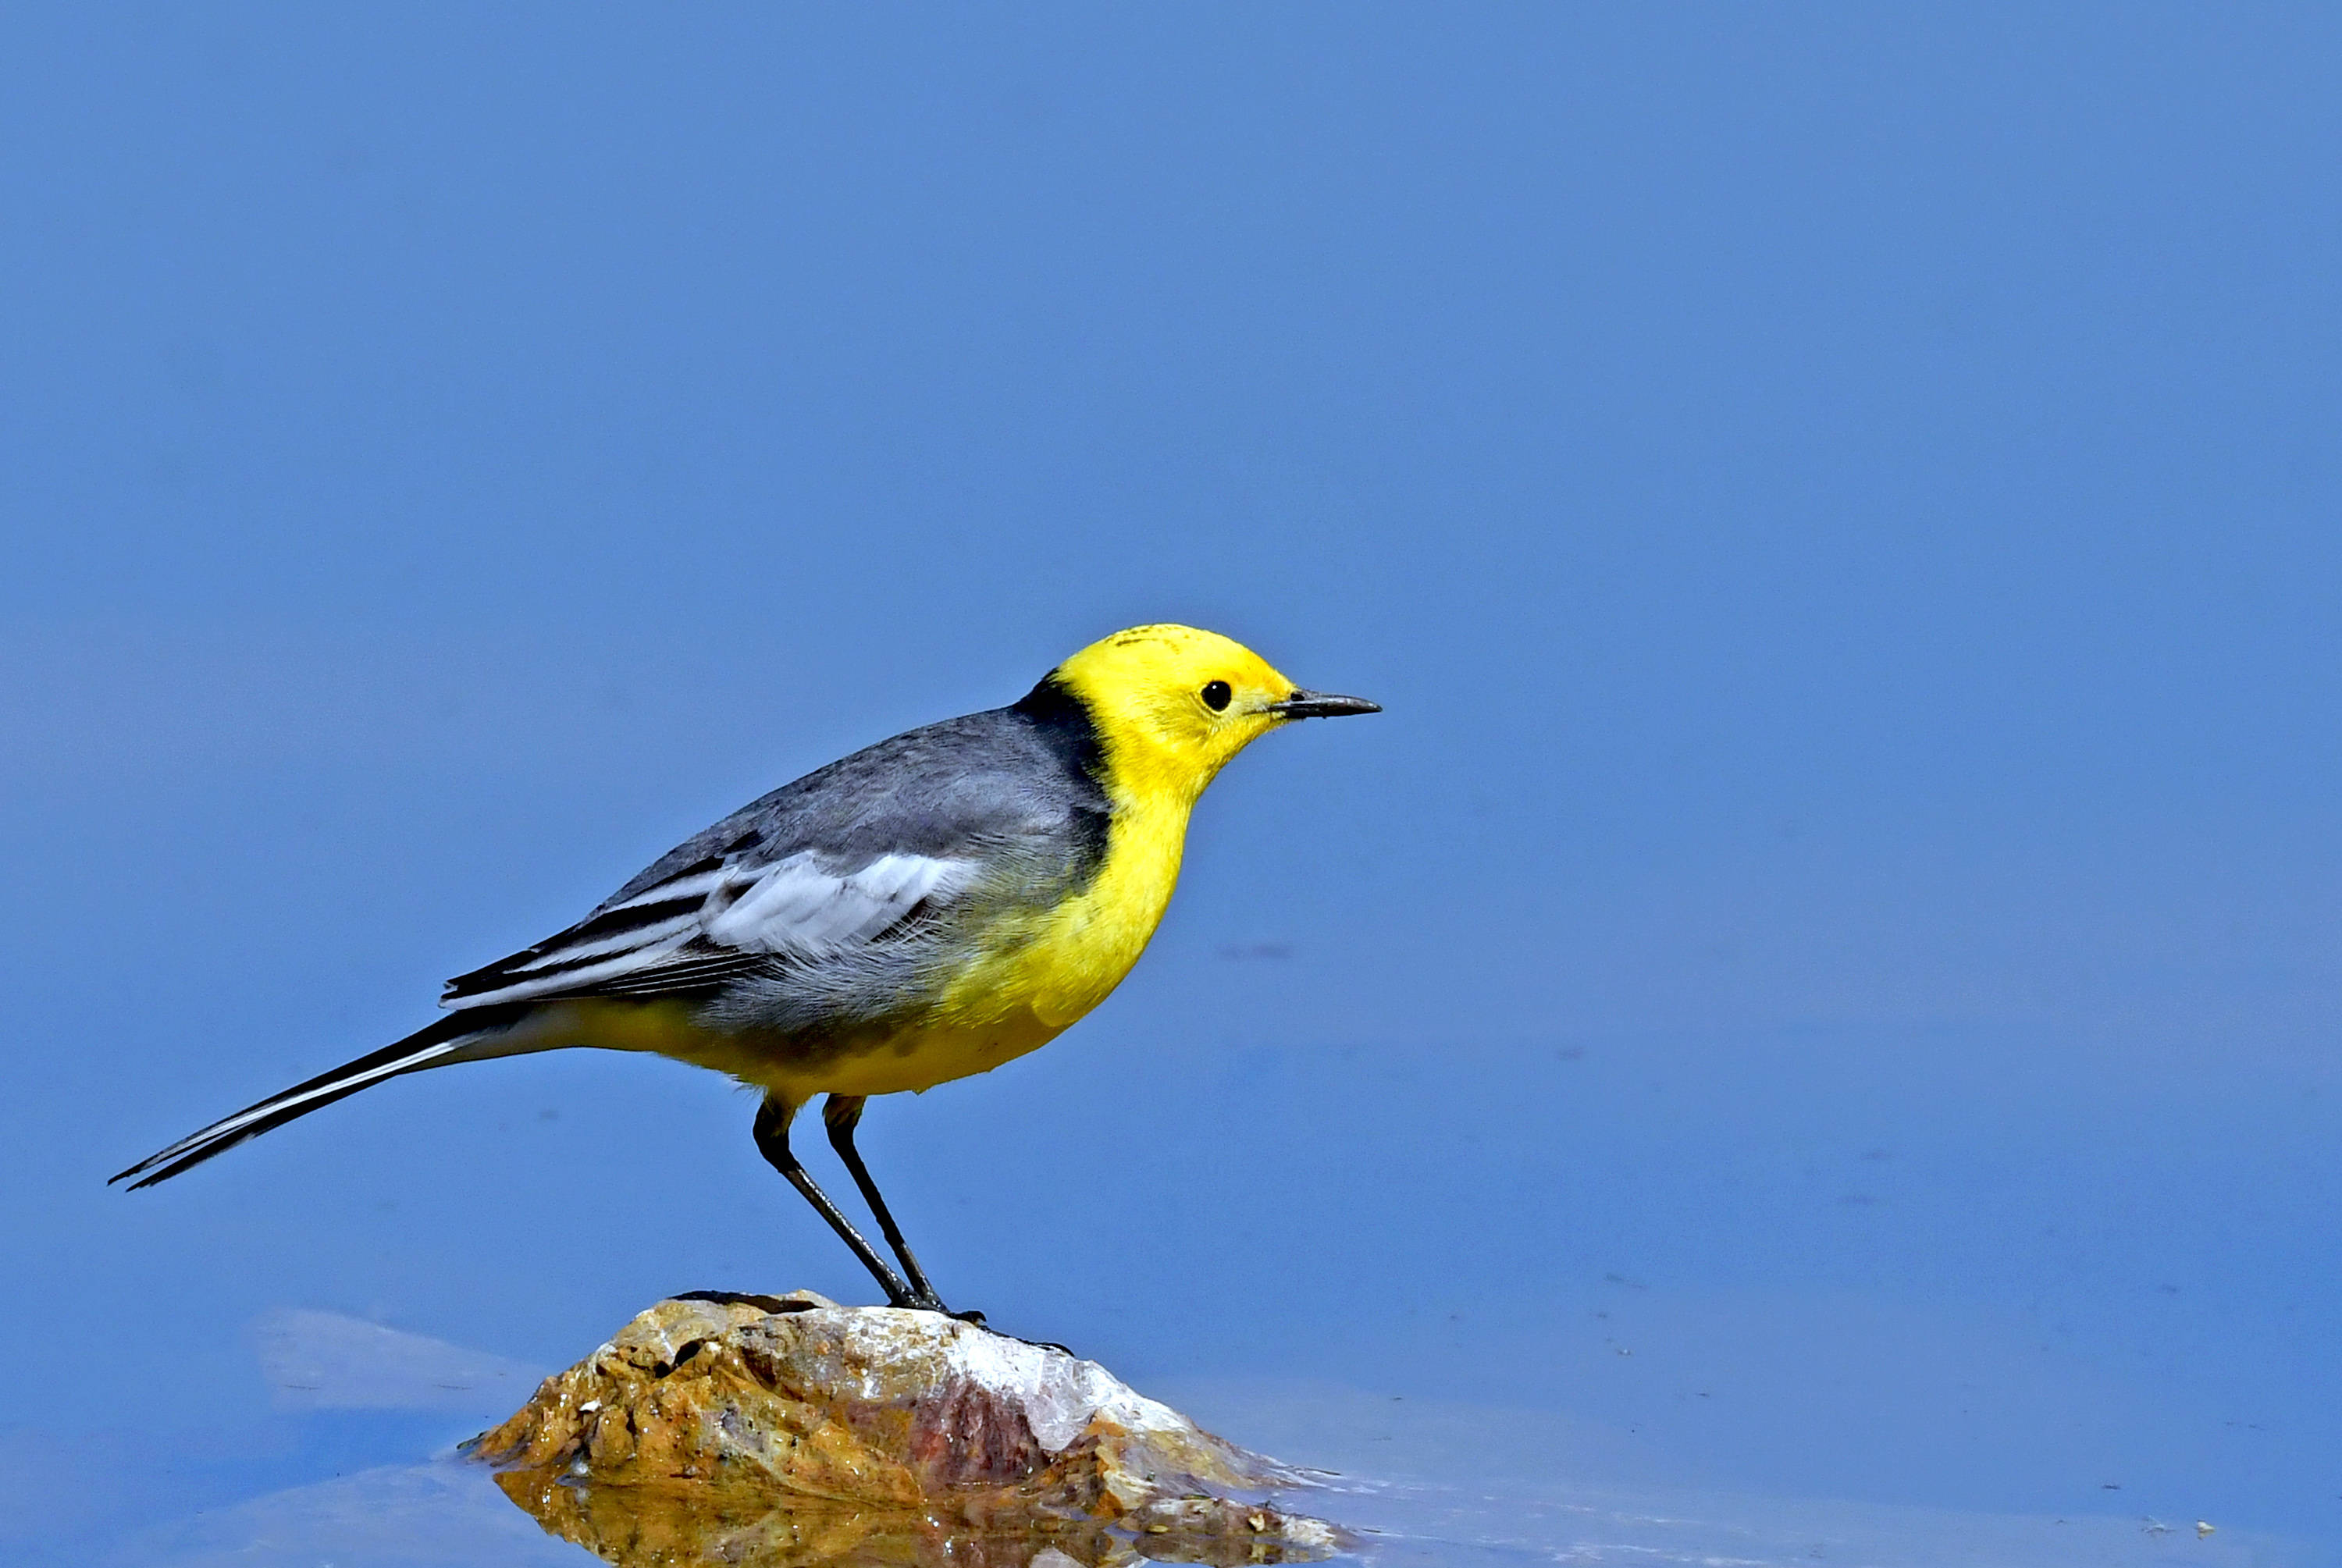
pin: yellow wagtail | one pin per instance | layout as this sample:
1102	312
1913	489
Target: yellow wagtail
923	910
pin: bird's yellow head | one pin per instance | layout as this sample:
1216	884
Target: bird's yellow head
1174	704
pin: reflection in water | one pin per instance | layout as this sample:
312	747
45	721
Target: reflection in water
451	1515
653	1527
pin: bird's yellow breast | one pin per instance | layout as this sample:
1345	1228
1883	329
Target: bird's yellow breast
1031	975
1054	965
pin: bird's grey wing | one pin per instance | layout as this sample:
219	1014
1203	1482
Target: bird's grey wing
722	918
855	862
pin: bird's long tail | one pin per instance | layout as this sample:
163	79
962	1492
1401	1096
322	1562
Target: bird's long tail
463	1036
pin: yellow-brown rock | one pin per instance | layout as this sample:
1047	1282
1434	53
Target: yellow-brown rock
767	1431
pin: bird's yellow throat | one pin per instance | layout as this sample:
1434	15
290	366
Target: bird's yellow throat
1162	745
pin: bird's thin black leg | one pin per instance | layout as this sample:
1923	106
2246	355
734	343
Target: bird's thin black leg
841	1114
772	1142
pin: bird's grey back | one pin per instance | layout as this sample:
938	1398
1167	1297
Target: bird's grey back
849	896
1019	782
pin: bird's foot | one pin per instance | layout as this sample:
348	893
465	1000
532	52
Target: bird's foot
928	1300
912	1301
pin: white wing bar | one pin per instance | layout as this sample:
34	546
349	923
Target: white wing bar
797	908
790	907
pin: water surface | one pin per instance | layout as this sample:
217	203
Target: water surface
1809	1022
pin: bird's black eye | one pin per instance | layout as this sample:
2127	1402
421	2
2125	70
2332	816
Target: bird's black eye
1215	695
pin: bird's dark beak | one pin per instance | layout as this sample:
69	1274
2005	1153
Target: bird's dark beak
1304	704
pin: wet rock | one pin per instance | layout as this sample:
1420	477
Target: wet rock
771	1431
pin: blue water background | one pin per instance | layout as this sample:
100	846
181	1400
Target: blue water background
1821	989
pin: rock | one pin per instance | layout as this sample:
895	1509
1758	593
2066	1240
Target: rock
766	1431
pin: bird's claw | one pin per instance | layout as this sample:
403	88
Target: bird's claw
973	1319
933	1304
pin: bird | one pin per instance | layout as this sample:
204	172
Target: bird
923	910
